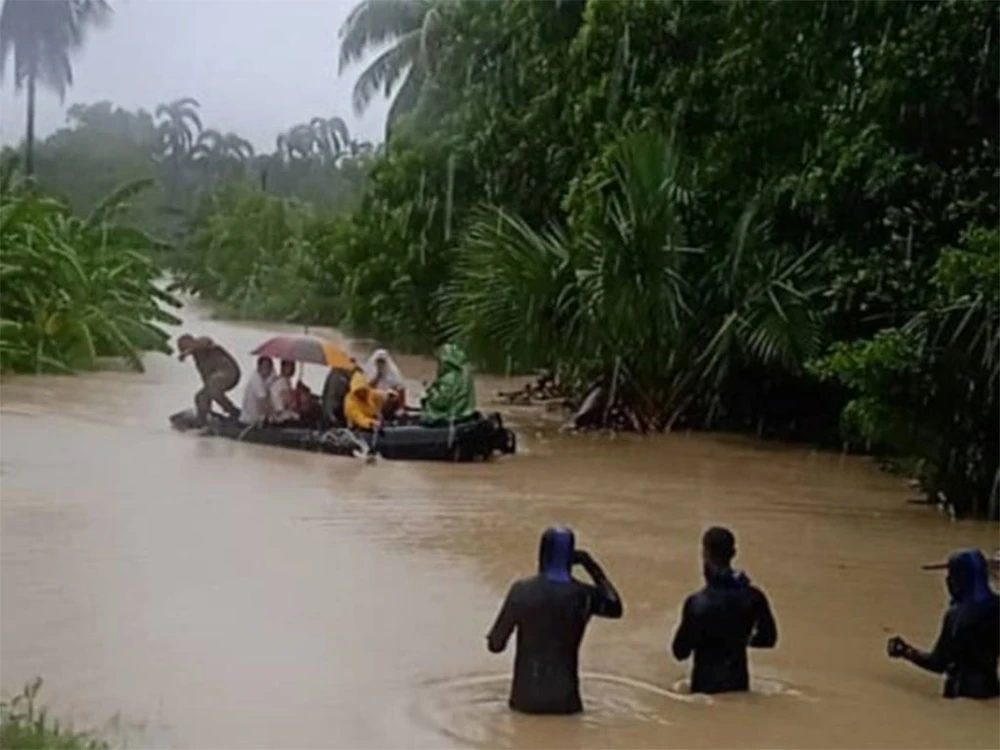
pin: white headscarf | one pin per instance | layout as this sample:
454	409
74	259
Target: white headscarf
393	378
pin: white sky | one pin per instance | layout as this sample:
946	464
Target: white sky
256	66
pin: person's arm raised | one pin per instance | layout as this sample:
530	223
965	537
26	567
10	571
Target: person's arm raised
607	602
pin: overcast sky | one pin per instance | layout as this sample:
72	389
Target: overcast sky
256	66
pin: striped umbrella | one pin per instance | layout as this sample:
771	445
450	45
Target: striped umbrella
310	349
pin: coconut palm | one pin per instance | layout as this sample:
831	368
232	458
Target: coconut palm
331	137
42	36
404	66
179	127
214	147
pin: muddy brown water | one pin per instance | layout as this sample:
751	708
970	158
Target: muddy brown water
178	591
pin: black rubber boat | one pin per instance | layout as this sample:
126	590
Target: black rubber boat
477	439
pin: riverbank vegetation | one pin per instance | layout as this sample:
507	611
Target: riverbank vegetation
75	288
26	725
770	217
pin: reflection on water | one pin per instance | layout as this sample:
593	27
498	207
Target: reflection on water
204	593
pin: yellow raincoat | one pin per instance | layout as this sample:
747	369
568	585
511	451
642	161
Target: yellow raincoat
363	404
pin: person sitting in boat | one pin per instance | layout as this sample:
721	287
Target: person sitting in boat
363	404
218	370
283	397
257	396
383	374
335	389
452	396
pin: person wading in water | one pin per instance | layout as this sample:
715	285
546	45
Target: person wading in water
719	622
219	374
550	612
967	648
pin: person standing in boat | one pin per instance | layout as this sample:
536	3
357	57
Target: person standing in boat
451	397
550	612
722	620
218	370
967	650
257	395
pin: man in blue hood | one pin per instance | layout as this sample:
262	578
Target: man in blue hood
721	620
967	648
550	612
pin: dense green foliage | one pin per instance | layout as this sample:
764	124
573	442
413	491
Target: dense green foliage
24	725
766	216
104	146
73	288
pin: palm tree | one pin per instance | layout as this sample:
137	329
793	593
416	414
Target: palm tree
42	36
408	26
331	137
178	129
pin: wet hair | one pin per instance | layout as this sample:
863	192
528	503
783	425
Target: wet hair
185	341
719	545
262	360
287	363
555	553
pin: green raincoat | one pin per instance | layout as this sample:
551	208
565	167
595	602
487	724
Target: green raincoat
452	395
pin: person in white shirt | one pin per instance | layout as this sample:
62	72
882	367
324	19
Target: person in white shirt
282	395
257	397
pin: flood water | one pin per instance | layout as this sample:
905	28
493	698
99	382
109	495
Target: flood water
179	591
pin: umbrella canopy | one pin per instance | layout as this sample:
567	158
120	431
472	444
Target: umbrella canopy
309	349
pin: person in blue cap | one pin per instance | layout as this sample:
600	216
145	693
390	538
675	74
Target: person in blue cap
550	612
967	649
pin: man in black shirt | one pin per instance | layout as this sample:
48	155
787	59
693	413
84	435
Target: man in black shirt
967	648
719	622
550	612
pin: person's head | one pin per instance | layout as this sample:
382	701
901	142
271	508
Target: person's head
184	342
718	548
555	553
968	576
287	368
381	360
451	357
265	366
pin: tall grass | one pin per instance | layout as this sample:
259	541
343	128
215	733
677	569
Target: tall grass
72	288
24	725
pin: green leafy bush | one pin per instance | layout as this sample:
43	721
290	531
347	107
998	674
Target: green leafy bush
72	288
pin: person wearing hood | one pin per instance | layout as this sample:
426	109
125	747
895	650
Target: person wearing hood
719	622
383	373
363	404
452	396
550	612
966	651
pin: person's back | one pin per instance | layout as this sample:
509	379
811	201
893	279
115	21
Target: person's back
335	389
550	612
719	622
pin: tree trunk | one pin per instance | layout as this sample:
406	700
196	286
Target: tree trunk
29	134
